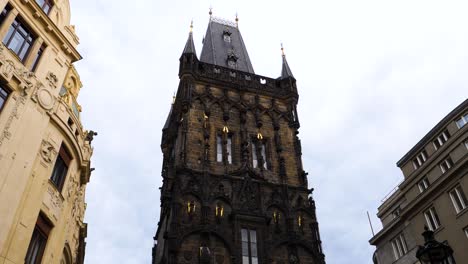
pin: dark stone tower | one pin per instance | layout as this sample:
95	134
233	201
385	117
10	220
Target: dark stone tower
234	189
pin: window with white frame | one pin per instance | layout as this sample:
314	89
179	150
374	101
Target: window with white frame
399	246
446	165
441	139
420	159
423	184
458	199
462	121
249	246
432	219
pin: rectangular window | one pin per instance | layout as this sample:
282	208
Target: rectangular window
219	148
45	5
37	58
458	199
420	159
446	165
432	219
3	96
38	241
254	155
249	246
423	184
441	139
61	168
462	121
399	246
229	149
19	39
263	153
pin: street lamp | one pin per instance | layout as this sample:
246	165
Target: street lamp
434	252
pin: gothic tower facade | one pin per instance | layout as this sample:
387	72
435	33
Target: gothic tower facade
234	189
45	151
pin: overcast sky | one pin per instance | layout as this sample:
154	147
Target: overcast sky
373	77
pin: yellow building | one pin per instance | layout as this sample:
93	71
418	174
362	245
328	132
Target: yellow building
44	150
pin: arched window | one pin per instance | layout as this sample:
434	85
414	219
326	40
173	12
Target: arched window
66	256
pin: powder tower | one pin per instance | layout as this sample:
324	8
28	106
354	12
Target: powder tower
234	189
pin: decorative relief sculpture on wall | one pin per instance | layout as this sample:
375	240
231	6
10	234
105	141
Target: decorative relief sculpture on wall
52	79
48	151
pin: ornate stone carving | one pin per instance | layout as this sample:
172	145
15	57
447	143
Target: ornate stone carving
6	133
6	69
78	206
48	151
45	98
52	79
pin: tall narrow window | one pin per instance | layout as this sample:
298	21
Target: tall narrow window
3	96
441	139
399	246
446	165
37	58
19	39
229	149
263	153
61	168
432	219
462	121
249	246
254	155
38	241
458	199
423	184
420	159
45	5
219	148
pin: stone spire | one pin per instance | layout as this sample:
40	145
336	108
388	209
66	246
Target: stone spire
189	46
286	71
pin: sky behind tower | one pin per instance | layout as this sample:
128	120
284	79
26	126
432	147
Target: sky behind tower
373	77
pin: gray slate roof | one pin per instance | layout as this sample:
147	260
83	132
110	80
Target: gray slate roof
286	71
189	46
216	49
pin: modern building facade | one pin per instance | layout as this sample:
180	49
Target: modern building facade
234	189
433	194
44	150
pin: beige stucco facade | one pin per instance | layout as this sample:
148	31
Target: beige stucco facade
41	114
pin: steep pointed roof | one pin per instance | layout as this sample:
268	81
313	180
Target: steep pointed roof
285	71
223	46
189	46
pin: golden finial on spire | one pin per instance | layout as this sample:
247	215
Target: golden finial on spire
191	26
237	20
282	49
211	11
173	98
